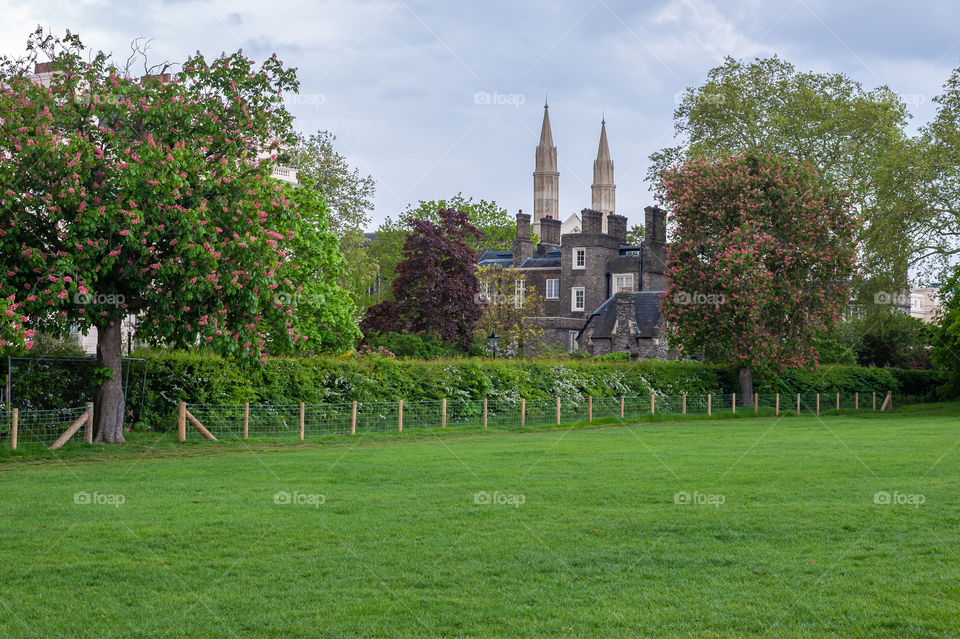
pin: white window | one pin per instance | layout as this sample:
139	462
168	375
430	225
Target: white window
572	340
553	289
579	258
577	296
518	293
623	282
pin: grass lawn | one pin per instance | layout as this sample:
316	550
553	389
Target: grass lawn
583	537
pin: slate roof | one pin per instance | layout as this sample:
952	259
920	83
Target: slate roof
646	311
496	258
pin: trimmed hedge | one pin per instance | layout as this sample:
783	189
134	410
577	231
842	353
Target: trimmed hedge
199	378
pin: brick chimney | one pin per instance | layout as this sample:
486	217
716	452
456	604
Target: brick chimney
655	227
43	67
522	244
617	227
592	222
549	232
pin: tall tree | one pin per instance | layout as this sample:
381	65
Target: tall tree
436	288
763	254
854	135
348	194
146	196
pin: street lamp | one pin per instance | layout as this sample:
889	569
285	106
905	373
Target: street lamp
492	342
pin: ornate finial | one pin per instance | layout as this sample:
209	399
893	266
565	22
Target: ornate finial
546	101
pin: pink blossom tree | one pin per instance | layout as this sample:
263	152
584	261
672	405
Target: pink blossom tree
150	197
760	262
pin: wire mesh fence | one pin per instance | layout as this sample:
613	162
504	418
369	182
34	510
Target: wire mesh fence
302	421
38	427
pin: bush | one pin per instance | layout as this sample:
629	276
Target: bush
412	345
203	378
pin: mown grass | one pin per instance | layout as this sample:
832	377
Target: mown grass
598	547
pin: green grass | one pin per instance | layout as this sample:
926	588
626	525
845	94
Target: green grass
598	547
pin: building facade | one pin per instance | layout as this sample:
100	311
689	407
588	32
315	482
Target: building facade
601	294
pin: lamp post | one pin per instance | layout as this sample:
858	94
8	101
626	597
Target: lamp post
492	342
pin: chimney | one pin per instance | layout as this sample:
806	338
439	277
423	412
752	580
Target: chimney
617	227
655	227
549	232
522	245
43	67
592	221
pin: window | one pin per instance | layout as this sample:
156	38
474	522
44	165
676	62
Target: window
553	289
579	258
518	293
623	282
572	340
577	298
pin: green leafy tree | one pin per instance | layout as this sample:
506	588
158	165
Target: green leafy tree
946	335
147	196
348	194
760	264
853	135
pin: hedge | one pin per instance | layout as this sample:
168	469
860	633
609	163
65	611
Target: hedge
199	378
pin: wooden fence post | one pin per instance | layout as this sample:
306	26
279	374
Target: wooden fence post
302	419
798	404
523	412
15	421
400	418
246	419
777	409
484	412
709	404
558	411
838	401
88	431
856	401
622	401
887	402
874	400
818	404
653	406
756	404
353	419
443	413
733	402
590	409
182	422
74	427
683	410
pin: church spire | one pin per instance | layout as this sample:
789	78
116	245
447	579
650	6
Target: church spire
604	189
546	178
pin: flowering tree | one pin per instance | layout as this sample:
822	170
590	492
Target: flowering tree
509	302
146	196
436	290
760	263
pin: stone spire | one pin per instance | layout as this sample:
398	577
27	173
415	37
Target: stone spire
604	190
546	178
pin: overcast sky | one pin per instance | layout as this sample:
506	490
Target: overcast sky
432	99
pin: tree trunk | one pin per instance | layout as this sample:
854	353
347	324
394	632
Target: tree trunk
108	402
745	375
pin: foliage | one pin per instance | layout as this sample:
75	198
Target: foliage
761	261
348	195
497	227
436	287
853	135
412	345
508	303
635	235
946	336
359	273
324	313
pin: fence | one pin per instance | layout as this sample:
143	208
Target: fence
299	421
